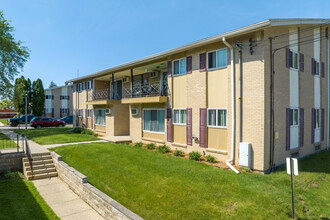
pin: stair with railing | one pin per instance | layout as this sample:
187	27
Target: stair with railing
40	167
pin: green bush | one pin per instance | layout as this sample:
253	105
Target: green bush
150	146
194	155
84	131
210	158
138	144
178	153
163	149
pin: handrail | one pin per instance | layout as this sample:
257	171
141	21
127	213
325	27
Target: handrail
28	153
155	89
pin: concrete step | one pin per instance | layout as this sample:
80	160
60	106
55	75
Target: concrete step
42	176
40	171
39	167
50	161
40	154
38	158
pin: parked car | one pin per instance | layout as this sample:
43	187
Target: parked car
19	120
67	119
39	122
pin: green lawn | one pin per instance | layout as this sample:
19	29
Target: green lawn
6	142
19	199
3	121
157	186
45	136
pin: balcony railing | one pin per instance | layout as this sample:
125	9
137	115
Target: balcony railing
103	94
145	90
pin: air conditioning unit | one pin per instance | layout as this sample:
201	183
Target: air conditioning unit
126	79
134	111
245	154
108	111
153	74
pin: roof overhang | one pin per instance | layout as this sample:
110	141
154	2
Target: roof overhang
163	55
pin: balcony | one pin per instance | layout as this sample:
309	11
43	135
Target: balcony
102	97
152	93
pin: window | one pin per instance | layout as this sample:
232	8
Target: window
153	120
217	118
99	117
317	117
89	113
89	85
64	111
179	116
49	96
65	97
317	68
293	60
180	66
48	110
80	87
80	112
217	59
294	117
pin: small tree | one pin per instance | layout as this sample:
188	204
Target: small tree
52	85
6	103
38	98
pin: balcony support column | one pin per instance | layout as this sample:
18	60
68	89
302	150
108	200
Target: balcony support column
112	86
131	83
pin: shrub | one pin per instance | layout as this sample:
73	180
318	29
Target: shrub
210	158
150	146
178	153
83	131
194	155
163	149
138	144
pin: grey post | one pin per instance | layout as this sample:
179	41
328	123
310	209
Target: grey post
25	110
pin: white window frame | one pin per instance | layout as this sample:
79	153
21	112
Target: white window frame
216	60
156	132
179	123
48	110
292	53
105	119
179	74
89	113
79	87
64	111
292	110
319	121
317	63
216	117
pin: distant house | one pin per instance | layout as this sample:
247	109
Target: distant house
7	112
58	101
219	95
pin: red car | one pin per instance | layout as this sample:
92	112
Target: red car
39	122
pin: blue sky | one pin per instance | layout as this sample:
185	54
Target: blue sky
67	35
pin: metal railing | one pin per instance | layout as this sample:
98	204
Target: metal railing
28	153
145	90
102	94
11	143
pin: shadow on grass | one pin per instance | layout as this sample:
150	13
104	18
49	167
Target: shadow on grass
41	132
20	200
317	163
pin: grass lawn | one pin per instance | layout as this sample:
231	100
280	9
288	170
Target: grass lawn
157	186
6	142
46	136
4	121
19	199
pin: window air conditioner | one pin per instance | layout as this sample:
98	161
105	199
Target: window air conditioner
134	111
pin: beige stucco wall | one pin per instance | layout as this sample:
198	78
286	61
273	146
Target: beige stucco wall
153	136
180	134
218	138
121	119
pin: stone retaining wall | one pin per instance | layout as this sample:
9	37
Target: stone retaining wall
103	204
11	162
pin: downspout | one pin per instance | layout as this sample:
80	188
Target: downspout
232	105
239	92
327	36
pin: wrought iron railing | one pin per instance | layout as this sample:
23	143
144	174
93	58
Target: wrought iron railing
11	143
103	94
155	89
28	153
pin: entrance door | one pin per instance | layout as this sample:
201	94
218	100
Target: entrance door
119	90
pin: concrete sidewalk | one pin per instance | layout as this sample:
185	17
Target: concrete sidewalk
63	201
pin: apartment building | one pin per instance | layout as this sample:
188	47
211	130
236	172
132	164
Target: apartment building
58	101
250	97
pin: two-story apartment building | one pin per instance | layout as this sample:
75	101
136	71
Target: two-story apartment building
251	96
58	101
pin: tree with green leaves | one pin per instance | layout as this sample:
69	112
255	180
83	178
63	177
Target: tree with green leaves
13	55
52	84
38	97
6	103
19	95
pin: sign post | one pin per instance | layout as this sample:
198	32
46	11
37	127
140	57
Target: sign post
292	169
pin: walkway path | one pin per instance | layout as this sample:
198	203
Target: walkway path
60	198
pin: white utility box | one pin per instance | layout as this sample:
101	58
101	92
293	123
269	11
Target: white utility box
245	154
